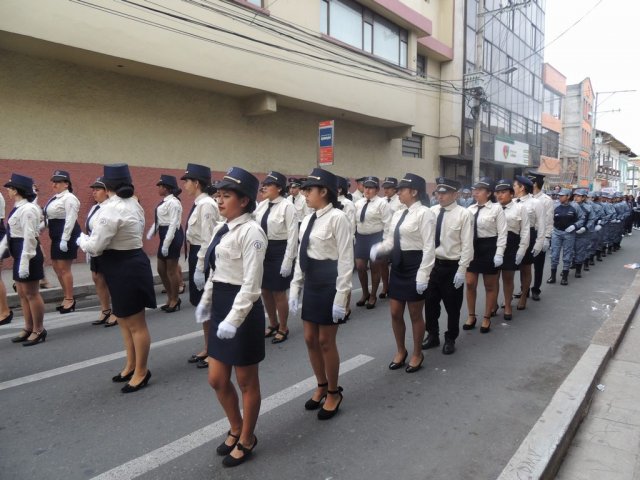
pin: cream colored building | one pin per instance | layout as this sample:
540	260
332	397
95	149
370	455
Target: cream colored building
236	82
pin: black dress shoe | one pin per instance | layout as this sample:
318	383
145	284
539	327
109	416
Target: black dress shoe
312	404
224	449
230	461
6	320
412	369
400	364
128	388
535	296
449	347
324	414
21	338
42	336
119	378
195	358
432	341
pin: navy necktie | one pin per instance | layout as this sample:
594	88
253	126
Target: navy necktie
86	225
9	217
304	244
155	218
475	221
211	251
439	225
44	210
265	218
364	210
388	199
396	254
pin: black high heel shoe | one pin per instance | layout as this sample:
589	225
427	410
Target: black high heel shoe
494	313
486	329
106	314
70	309
119	378
7	320
472	325
230	461
224	449
371	306
42	336
21	338
398	365
324	414
175	308
312	404
128	388
362	302
412	369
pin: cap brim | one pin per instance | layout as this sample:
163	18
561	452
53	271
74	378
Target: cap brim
444	189
98	185
371	184
59	179
228	185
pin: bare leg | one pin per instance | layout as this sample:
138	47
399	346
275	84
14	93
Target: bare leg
31	292
472	285
376	268
4	306
525	281
507	283
282	306
361	266
164	277
418	329
311	338
137	325
398	327
24	304
491	289
174	281
220	380
249	384
102	291
384	276
65	277
270	306
331	360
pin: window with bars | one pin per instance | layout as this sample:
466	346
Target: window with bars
412	146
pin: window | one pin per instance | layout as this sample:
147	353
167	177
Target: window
257	3
412	146
550	142
355	25
421	66
552	103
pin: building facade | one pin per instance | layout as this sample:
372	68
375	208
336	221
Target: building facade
611	162
578	168
554	91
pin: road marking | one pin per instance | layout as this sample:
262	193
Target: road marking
156	458
90	363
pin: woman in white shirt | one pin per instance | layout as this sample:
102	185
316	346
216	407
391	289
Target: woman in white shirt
323	272
167	218
278	220
116	243
489	242
6	314
231	301
61	218
23	244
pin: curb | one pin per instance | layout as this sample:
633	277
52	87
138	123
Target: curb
542	451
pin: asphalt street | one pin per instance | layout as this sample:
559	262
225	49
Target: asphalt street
460	417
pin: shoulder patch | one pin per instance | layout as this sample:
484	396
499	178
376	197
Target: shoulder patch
258	245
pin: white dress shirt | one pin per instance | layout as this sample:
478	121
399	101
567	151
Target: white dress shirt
491	223
200	225
549	206
349	210
169	213
357	195
239	261
416	233
91	217
282	224
456	236
300	202
537	218
330	239
377	216
24	224
64	206
118	225
394	203
518	223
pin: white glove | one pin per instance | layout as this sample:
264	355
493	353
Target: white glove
82	240
151	231
570	228
63	246
497	260
581	230
226	330
165	251
599	222
535	252
458	280
338	313
546	245
198	279
285	268
203	312
598	228
373	253
421	287
293	305
23	271
520	256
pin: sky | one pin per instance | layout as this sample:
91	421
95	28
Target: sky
601	47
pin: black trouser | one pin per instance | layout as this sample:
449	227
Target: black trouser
538	270
441	289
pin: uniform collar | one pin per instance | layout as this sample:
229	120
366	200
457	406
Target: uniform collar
324	210
415	206
168	197
200	198
61	194
451	206
244	218
508	205
21	203
278	199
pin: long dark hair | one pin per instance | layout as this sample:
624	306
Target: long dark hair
122	189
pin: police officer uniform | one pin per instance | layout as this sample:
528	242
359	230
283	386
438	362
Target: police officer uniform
537	218
372	219
357	194
3	229
596	235
518	230
90	221
22	233
566	220
393	201
348	207
299	201
453	240
116	243
279	221
583	234
548	208
61	215
465	201
610	212
235	257
168	216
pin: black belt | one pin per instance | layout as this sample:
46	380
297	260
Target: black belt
447	262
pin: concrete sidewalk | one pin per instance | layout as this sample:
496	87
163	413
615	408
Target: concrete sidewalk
607	444
82	283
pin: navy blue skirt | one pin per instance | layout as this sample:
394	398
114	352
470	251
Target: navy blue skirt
194	294
56	228
484	249
319	291
271	278
364	244
402	279
528	257
509	260
36	264
93	265
174	247
247	346
129	279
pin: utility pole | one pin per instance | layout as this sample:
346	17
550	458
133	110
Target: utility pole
478	94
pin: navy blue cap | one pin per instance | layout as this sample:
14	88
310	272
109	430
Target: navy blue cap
117	172
322	178
564	191
275	178
361	179
466	190
504	184
240	180
371	182
581	192
535	176
168	181
99	183
390	182
484	182
343	183
61	176
296	182
413	181
522	180
20	182
444	185
197	172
